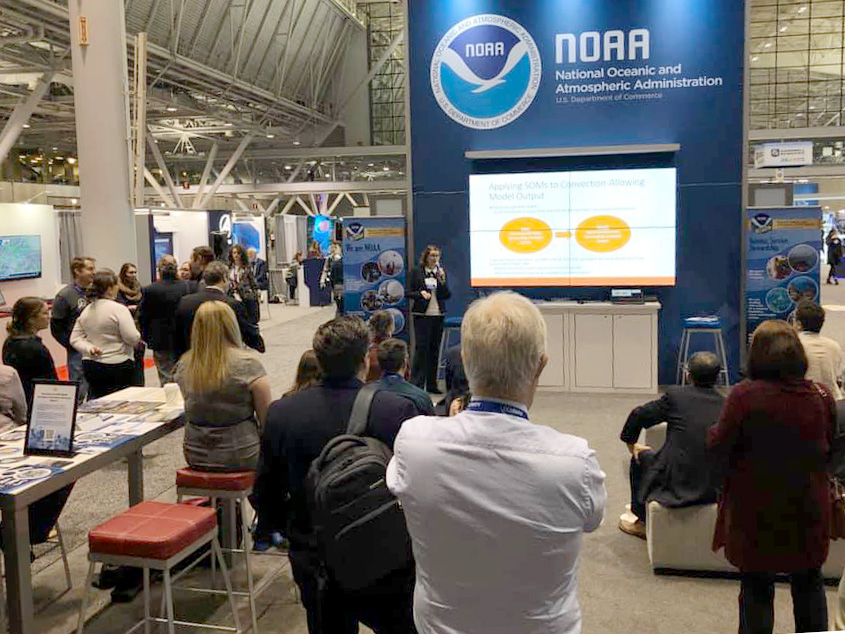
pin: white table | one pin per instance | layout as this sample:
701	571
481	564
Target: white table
15	503
600	347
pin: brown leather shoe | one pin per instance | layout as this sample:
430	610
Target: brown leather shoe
637	529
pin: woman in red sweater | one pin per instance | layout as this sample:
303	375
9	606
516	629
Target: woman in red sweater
774	435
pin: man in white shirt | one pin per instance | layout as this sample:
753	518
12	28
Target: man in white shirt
494	504
824	355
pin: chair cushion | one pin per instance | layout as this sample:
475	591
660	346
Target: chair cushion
452	322
153	530
709	322
215	480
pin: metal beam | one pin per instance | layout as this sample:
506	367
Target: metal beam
21	114
205	173
334	204
159	189
140	122
288	205
226	169
309	187
164	171
275	33
302	204
268	211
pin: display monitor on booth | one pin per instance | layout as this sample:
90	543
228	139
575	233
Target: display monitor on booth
577	228
20	257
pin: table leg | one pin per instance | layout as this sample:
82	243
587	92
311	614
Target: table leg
18	572
135	472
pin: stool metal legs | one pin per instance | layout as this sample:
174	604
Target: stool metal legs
719	350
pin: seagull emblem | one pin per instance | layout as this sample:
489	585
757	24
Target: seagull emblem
460	68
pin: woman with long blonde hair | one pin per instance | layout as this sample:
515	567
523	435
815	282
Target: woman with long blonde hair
226	392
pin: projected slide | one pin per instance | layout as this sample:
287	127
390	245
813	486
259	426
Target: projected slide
595	228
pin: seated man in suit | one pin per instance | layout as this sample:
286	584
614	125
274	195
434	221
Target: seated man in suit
679	474
216	279
394	363
259	269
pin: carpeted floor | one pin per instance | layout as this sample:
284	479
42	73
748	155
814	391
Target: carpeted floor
618	591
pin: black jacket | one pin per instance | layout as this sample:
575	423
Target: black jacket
259	272
298	427
67	306
684	473
416	285
157	313
188	306
30	357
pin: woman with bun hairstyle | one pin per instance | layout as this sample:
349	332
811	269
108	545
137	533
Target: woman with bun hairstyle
105	335
427	292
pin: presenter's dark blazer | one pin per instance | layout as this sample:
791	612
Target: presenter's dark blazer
188	307
683	473
416	285
259	272
157	313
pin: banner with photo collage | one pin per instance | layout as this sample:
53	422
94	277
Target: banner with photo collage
374	269
783	261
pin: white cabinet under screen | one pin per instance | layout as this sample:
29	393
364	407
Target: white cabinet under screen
601	347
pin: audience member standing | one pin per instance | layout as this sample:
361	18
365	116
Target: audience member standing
824	355
201	257
307	373
332	275
226	394
298	427
129	294
67	306
23	348
496	506
243	286
393	361
428	291
216	286
157	317
834	254
259	269
681	472
105	335
774	434
381	328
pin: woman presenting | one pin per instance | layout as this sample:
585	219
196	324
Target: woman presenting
428	292
774	435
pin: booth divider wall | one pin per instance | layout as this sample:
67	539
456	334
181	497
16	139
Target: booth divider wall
507	74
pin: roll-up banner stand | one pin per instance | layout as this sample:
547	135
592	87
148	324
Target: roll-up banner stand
783	261
374	269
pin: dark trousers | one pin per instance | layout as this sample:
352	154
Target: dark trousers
386	607
638	469
138	378
428	331
105	378
757	598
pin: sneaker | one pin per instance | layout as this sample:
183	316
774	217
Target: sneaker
637	528
260	545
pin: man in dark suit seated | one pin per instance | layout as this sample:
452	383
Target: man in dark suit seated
259	269
216	279
157	316
298	427
680	473
393	361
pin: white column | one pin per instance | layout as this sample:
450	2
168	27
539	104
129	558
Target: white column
101	98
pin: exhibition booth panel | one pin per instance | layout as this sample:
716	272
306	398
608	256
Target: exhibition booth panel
600	347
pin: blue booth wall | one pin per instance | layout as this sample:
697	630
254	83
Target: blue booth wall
706	37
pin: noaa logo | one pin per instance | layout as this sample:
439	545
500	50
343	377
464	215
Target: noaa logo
761	223
485	71
355	231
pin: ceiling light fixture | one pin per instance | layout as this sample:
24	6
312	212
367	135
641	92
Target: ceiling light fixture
783	28
71	160
768	45
755	58
26	125
271	136
802	9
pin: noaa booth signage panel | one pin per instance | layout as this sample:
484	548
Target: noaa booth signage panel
509	74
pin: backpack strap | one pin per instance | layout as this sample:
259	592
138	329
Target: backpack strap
361	409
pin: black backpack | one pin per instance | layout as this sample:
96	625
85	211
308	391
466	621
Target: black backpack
359	524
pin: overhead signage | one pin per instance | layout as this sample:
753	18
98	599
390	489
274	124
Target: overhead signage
792	154
487	69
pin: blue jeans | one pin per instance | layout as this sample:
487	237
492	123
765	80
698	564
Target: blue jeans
75	373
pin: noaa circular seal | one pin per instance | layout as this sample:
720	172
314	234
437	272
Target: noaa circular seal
485	71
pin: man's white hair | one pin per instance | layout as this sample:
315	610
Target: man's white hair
503	337
252	251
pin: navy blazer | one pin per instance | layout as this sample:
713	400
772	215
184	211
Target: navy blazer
188	306
416	285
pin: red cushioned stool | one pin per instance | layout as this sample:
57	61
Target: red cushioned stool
230	487
156	535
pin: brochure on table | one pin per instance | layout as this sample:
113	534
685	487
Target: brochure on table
782	254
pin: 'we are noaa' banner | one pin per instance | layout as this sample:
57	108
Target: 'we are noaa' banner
374	268
783	263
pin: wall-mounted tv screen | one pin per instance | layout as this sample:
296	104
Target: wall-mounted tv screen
20	257
579	228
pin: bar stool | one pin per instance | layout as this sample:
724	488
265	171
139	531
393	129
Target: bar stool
702	326
156	535
451	326
229	487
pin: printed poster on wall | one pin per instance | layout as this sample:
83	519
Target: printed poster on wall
783	262
374	268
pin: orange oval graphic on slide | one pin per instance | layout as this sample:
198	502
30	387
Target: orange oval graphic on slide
603	234
526	235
